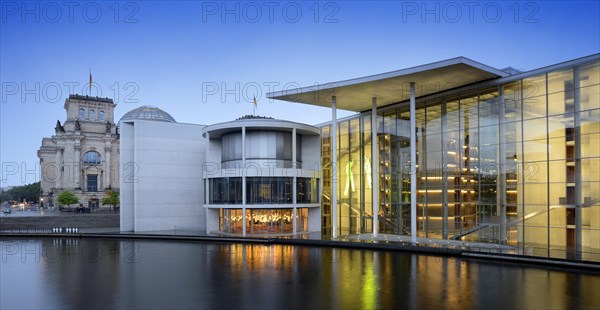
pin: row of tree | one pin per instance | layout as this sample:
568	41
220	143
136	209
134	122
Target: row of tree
29	193
68	198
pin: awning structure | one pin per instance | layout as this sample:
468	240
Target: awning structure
392	87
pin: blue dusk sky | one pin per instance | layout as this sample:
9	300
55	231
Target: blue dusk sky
204	61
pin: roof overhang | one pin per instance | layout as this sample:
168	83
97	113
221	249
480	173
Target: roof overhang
392	87
219	129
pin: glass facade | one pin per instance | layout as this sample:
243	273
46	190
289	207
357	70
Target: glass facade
266	184
307	190
515	164
270	148
263	190
225	191
262	221
268	190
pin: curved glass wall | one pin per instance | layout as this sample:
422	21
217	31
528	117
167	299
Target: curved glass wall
269	190
265	148
231	146
263	221
225	191
263	190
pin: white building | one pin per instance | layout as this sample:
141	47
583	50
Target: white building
83	154
251	176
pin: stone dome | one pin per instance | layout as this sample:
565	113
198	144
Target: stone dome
147	112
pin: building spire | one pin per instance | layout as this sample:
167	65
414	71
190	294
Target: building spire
90	81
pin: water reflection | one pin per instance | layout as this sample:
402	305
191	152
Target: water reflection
70	273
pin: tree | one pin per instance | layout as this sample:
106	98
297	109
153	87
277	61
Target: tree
29	192
67	198
112	199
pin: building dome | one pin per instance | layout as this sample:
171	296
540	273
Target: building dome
147	112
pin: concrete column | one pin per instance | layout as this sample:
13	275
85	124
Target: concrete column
206	180
444	172
77	166
107	151
501	183
413	162
59	168
334	168
577	138
375	167
244	181
294	184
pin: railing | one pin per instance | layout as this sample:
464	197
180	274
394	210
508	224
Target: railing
53	230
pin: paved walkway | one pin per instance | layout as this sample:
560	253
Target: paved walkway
428	241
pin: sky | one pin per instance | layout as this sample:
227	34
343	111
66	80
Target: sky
203	62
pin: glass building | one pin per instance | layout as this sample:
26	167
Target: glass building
262	177
460	150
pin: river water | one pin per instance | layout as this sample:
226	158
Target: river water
103	274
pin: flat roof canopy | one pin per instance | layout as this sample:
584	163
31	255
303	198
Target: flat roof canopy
392	87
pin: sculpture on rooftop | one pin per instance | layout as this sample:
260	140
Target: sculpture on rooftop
59	128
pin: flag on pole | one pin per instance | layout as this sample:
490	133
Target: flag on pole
90	81
255	105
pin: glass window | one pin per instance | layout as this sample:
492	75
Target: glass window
488	108
534	97
268	190
81	113
589	81
92	183
91	157
512	101
299	150
561	97
225	191
268	147
101	115
232	147
307	190
92	114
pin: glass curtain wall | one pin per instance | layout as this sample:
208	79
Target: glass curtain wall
351	164
268	148
588	118
326	181
263	221
515	164
394	172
